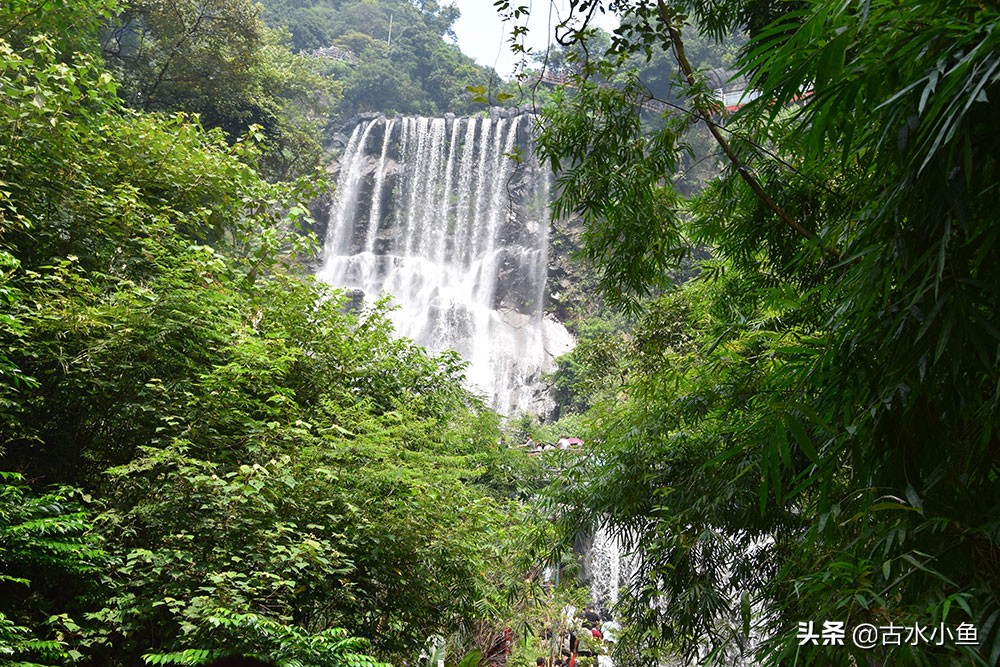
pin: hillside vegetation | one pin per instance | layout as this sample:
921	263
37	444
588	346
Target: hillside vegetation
393	56
201	451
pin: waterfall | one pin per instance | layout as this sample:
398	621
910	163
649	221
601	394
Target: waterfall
605	566
438	214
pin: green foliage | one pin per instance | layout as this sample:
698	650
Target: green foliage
541	629
285	645
195	55
71	24
46	545
12	378
471	659
268	471
210	540
219	60
818	443
591	370
596	144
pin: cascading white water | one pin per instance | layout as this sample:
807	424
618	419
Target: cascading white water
604	563
437	213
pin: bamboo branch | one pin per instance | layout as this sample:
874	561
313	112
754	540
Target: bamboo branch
741	169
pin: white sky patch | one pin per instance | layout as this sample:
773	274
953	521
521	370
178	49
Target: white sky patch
484	37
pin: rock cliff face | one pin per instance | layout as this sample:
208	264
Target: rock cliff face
449	215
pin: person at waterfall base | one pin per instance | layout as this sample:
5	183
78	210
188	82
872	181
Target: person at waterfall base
596	631
590	617
540	662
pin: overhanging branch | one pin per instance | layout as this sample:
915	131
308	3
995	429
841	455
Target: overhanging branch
741	168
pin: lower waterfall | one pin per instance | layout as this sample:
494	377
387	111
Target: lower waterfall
449	216
604	564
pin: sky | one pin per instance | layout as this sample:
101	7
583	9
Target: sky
483	36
